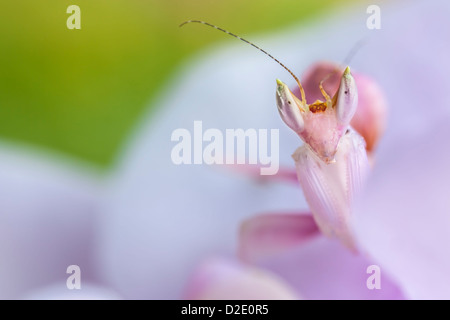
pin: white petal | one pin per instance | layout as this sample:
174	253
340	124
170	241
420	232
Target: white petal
47	217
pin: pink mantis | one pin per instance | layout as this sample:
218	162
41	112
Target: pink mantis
332	164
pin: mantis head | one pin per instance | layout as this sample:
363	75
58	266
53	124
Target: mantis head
320	124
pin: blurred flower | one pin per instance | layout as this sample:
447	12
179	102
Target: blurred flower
319	268
220	279
48	213
403	218
268	234
146	233
57	291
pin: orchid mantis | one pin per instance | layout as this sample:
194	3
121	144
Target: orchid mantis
332	163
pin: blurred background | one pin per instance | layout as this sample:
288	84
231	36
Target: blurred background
80	92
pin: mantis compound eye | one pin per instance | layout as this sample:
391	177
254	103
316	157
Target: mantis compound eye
289	107
346	99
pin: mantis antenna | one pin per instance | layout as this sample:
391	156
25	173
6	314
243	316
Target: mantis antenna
358	45
255	46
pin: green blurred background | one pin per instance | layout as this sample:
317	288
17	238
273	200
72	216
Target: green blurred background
80	92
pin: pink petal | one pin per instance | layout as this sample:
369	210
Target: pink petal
315	74
404	215
371	116
219	279
284	174
324	269
265	235
403	219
